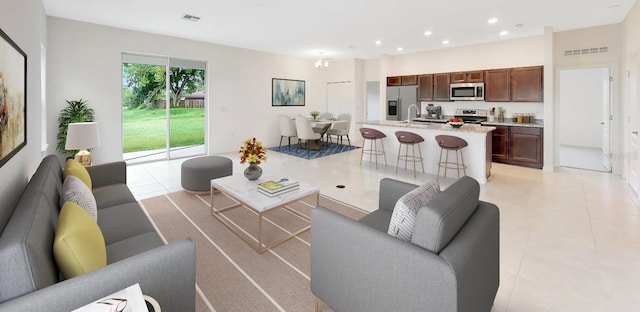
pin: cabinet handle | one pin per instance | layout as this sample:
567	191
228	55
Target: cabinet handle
634	132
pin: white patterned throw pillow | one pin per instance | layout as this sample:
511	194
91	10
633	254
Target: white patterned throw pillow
74	190
403	219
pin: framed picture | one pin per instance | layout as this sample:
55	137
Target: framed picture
13	98
287	92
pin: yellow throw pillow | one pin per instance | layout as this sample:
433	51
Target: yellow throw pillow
74	168
78	246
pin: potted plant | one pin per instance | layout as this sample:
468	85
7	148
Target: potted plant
75	111
314	114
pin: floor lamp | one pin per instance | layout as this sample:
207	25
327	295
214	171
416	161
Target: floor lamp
82	136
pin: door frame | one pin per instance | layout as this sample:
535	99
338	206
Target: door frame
167	64
628	136
615	109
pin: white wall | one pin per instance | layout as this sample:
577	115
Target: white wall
500	54
84	61
24	22
580	106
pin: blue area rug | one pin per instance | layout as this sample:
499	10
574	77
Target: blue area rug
333	148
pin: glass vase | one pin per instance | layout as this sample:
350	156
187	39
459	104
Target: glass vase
253	172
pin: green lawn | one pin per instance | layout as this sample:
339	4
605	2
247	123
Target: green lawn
145	129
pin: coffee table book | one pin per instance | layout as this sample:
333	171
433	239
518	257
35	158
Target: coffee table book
279	192
277	186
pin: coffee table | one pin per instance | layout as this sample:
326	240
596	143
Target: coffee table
245	193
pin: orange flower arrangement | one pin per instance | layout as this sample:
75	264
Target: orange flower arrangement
252	152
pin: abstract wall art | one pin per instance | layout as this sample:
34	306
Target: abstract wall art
287	92
13	98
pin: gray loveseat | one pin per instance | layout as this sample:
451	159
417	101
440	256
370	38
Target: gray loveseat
30	279
451	263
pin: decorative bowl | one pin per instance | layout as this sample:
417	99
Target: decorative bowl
456	124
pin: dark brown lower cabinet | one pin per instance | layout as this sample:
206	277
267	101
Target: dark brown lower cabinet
520	146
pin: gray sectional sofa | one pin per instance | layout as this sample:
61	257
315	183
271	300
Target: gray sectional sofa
29	277
452	262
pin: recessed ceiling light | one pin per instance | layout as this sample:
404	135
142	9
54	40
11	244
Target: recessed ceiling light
504	33
399	49
190	17
427	33
492	20
378	42
445	42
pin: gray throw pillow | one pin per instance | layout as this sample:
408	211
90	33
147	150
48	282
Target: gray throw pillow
403	219
74	190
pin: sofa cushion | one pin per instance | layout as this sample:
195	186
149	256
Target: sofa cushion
404	214
132	246
78	246
74	190
438	222
74	168
113	195
123	221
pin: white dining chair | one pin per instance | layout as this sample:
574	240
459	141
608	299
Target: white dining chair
325	115
287	129
305	131
341	129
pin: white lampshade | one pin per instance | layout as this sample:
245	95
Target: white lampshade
82	135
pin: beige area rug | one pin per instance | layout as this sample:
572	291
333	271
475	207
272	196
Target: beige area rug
230	275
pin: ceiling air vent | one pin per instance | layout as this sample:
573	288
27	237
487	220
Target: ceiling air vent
586	51
190	17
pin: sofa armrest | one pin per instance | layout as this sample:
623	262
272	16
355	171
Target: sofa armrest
356	268
166	273
108	173
390	191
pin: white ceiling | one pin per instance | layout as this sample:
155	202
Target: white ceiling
343	29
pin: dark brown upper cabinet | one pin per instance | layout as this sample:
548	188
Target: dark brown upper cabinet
475	76
470	76
497	86
394	81
526	84
425	87
458	77
409	80
441	83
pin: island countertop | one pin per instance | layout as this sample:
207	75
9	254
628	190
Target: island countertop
476	155
469	128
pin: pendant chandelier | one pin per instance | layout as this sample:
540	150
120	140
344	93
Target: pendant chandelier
322	63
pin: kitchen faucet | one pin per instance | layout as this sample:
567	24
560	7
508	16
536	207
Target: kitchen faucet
409	112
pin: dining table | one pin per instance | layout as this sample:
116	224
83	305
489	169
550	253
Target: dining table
321	126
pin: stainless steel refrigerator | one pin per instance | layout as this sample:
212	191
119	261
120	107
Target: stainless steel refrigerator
398	101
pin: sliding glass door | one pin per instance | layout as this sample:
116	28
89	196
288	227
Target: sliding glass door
163	108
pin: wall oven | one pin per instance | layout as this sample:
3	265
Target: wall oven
467	91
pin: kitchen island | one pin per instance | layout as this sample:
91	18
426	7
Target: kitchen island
477	155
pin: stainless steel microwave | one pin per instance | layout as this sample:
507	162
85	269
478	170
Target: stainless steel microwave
467	91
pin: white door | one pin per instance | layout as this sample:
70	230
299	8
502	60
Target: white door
606	119
634	108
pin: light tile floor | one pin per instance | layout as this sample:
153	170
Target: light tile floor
570	240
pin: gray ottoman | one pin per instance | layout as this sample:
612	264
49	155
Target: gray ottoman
197	173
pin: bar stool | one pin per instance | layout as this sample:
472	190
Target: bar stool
373	136
409	138
451	143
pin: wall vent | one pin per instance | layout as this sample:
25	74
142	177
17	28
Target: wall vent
586	51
